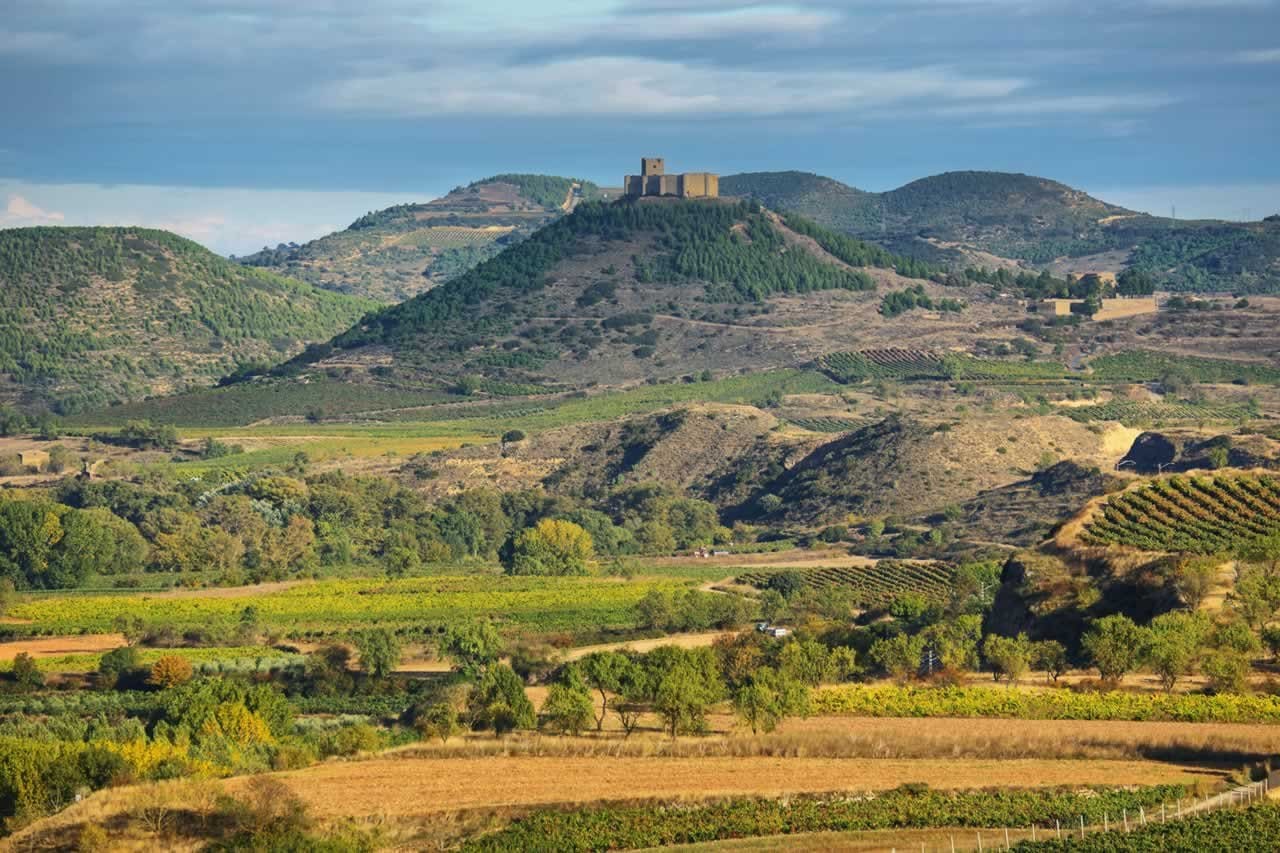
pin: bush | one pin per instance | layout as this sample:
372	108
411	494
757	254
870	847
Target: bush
170	671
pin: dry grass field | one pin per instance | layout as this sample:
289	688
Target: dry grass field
408	787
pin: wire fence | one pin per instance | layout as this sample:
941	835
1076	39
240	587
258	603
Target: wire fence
1125	821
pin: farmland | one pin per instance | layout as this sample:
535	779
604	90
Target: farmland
867	586
332	606
1198	515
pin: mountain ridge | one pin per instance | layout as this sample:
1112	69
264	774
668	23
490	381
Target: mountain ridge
395	253
96	315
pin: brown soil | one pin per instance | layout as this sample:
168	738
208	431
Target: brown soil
49	647
402	787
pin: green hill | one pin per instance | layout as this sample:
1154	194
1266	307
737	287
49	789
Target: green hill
624	292
393	254
90	316
965	218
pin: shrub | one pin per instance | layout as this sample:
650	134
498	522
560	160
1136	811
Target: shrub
170	671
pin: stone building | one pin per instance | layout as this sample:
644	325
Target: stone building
653	180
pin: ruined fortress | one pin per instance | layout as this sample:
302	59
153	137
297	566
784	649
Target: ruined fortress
654	181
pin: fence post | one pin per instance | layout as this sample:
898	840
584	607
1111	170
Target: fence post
953	844
979	842
1033	833
1006	838
1126	820
1142	811
1106	824
1163	817
1082	826
1059	823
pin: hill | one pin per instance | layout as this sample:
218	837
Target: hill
995	218
904	466
644	291
393	254
92	316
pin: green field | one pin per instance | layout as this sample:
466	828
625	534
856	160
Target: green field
329	607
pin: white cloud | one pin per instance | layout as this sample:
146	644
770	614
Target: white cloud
1064	104
625	86
1259	56
18	211
227	220
1198	201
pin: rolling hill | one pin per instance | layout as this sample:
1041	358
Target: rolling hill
997	218
393	254
641	291
93	316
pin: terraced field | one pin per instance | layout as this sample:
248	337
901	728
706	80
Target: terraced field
914	364
1132	413
1199	515
870	586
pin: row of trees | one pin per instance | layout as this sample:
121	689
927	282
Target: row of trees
271	524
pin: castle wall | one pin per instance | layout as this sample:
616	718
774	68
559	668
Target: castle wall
653	181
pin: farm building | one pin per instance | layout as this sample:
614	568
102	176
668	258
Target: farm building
1112	309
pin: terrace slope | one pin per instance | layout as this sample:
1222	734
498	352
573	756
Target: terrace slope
393	254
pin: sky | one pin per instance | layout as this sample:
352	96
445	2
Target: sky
243	123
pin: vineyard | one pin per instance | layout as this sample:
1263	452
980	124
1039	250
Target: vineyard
1147	366
1132	413
1199	515
871	586
336	606
827	424
453	236
647	826
1254	828
914	364
895	701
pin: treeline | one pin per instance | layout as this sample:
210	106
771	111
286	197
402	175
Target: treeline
901	301
274	524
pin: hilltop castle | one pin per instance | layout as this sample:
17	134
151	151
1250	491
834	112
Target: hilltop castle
654	181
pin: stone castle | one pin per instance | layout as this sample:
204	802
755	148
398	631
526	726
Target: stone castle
654	181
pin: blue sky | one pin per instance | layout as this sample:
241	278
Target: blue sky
244	122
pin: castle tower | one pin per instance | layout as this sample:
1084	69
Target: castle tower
652	166
653	180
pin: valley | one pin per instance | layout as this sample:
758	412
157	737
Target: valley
642	523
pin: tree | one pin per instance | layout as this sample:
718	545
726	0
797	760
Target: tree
473	645
7	595
1009	657
1172	645
1271	639
1194	578
551	547
440	720
808	662
1050	656
768	698
513	436
654	611
606	672
683	696
499	702
25	673
379	651
568	707
1114	645
898	655
955	641
170	671
116	664
1256	597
